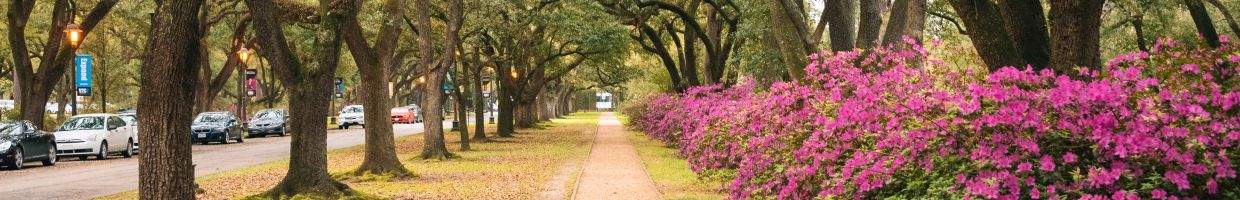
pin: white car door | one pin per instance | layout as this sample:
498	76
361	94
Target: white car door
117	136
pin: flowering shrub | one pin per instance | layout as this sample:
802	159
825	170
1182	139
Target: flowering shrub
1159	124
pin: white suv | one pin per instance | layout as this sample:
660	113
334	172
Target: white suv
95	135
351	115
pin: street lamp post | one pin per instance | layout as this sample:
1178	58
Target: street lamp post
73	36
486	100
243	95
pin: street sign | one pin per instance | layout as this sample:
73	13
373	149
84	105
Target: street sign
82	78
339	88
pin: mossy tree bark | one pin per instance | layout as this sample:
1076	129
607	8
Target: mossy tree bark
1201	19
310	89
986	30
432	98
871	23
1075	35
1025	22
908	18
165	169
373	63
480	102
32	87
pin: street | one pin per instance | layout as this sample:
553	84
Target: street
72	178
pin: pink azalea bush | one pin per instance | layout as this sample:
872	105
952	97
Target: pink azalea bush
1151	125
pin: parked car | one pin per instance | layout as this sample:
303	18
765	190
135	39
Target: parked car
21	142
269	121
351	115
406	115
219	127
95	135
131	118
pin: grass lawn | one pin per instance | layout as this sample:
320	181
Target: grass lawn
671	174
521	167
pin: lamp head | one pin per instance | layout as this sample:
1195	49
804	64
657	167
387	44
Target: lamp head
73	35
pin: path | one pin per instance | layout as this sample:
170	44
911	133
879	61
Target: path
613	170
76	179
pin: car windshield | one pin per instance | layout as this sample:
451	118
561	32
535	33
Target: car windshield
10	129
82	123
270	114
352	110
130	119
211	119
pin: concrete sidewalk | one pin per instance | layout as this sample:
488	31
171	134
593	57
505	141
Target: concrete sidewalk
613	170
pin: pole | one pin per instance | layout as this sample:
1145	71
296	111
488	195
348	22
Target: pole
73	89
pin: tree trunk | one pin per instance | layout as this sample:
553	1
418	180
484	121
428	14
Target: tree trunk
480	134
1138	28
843	24
463	126
209	87
432	103
434	146
505	100
659	48
1074	33
372	63
165	168
688	72
1026	24
307	170
61	101
908	18
790	37
311	87
986	30
33	85
871	23
1231	21
524	114
506	113
544	111
1201	18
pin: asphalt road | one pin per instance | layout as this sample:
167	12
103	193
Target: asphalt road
84	179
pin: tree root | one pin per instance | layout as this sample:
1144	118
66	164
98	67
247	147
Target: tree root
438	155
325	187
377	173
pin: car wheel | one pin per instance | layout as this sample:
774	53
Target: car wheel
128	149
282	134
16	163
203	143
51	157
103	151
346	126
83	157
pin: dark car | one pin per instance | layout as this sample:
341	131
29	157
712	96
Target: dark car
219	127
21	142
267	122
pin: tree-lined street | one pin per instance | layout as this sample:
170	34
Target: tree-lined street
736	99
85	179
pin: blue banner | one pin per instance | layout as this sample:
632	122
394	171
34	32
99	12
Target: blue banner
83	64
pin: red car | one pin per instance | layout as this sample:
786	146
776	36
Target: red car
404	115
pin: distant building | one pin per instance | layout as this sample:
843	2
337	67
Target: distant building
604	101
